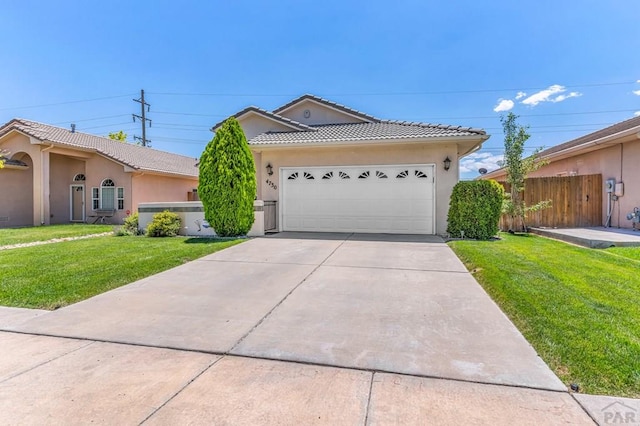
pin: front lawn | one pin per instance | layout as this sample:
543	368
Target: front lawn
9	236
578	307
54	275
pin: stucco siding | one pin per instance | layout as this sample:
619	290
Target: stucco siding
317	114
62	171
16	193
149	188
253	125
370	155
23	186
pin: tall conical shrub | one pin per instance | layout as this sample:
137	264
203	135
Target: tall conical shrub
227	184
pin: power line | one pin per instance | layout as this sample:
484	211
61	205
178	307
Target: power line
439	92
67	102
537	115
91	119
105	125
204	129
190	113
185	125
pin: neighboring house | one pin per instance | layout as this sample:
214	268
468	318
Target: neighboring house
335	169
613	152
54	175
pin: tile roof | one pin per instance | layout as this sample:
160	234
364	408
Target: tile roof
327	102
382	129
134	156
284	120
607	131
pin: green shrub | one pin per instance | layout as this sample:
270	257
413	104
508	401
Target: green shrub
130	226
165	224
227	184
475	209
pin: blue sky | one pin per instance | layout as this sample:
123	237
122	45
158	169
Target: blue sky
566	67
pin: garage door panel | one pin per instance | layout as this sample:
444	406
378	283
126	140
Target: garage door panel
394	199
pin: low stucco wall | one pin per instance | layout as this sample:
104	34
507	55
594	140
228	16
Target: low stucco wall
192	215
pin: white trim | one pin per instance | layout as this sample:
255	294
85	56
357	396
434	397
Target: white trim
84	197
282	172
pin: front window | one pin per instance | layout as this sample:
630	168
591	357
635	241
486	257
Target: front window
120	198
95	198
107	196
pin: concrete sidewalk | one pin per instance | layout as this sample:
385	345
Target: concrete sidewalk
292	329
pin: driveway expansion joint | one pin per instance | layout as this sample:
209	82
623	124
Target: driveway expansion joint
89	343
366	415
288	294
583	408
179	391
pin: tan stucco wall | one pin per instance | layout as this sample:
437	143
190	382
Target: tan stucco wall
16	194
253	125
62	170
619	162
369	155
318	114
149	188
16	144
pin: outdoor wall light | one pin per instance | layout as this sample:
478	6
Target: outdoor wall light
269	169
447	163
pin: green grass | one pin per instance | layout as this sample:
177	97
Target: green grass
42	233
54	275
578	307
628	252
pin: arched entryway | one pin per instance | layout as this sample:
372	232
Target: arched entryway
17	191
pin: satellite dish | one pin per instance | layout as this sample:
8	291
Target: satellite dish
482	171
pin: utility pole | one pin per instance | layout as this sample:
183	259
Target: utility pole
143	119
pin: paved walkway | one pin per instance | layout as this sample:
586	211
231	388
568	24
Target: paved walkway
291	329
598	237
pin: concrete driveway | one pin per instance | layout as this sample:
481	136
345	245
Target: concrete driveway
288	329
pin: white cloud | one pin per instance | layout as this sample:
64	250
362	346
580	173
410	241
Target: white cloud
503	105
520	95
636	114
636	92
477	160
549	95
561	98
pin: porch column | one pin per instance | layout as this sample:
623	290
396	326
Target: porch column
41	210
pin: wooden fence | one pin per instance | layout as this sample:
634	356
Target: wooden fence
576	201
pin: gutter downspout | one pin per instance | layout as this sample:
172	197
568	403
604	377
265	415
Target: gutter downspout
43	182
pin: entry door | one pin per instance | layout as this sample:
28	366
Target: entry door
77	203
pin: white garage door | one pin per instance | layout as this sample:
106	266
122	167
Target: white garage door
385	199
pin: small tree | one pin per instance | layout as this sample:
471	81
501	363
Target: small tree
227	184
517	169
118	136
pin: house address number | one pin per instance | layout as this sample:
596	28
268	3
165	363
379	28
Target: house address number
271	184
